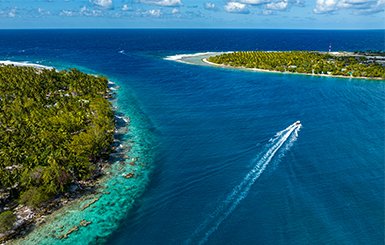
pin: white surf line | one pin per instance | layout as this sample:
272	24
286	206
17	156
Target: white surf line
180	57
8	62
241	191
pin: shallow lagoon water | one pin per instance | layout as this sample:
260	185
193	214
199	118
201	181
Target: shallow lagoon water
205	129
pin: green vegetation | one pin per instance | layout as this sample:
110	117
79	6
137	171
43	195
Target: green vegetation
6	220
371	52
303	62
54	125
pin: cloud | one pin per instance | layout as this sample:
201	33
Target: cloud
9	12
281	5
87	12
175	11
126	8
235	7
358	6
103	4
43	12
164	3
278	5
374	7
84	11
193	14
299	3
211	6
154	13
252	2
39	12
267	12
66	13
325	6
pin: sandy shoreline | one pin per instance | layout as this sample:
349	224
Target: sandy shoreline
285	72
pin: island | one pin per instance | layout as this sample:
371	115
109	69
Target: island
56	129
341	64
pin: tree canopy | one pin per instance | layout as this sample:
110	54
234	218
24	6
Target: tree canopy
304	62
53	126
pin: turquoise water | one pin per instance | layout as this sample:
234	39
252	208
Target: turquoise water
223	162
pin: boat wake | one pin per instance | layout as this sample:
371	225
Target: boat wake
284	138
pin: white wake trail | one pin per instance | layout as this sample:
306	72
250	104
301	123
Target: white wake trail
241	191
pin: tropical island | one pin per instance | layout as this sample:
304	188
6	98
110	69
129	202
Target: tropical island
342	64
56	129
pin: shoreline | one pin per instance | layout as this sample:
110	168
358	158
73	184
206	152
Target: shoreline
31	217
285	72
35	219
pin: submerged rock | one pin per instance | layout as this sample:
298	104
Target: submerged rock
129	175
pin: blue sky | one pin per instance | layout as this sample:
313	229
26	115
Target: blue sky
269	14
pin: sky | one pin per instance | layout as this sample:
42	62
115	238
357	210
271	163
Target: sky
259	14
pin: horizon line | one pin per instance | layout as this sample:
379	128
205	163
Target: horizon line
187	28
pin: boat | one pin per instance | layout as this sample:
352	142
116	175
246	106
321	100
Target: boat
297	123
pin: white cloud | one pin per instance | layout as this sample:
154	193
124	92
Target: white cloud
211	6
175	11
104	4
164	3
66	13
43	12
84	11
325	6
358	6
234	7
299	3
126	8
156	13
278	5
252	2
374	7
267	12
12	14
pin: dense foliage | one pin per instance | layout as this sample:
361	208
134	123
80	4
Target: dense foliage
53	126
303	62
6	220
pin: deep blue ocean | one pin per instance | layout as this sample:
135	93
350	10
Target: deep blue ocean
225	162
